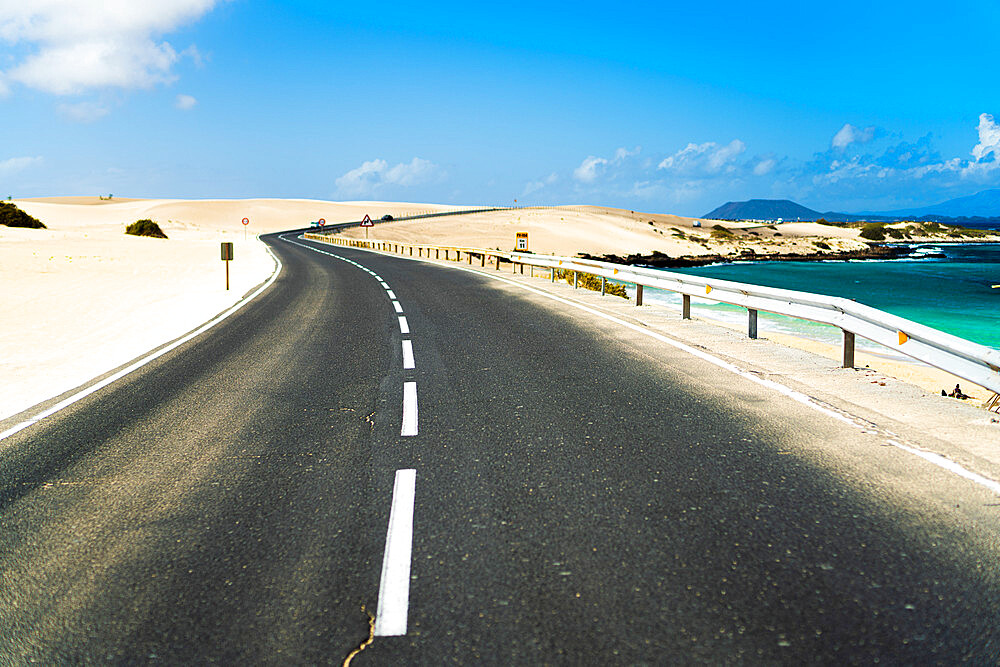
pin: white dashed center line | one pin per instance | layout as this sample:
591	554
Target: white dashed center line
409	409
392	295
407	355
394	588
399	308
404	326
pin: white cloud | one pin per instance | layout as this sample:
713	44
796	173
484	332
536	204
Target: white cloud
535	186
592	167
765	166
588	170
849	134
16	164
185	102
375	175
83	112
989	138
77	45
708	157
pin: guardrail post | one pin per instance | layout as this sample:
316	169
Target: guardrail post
469	257
458	255
604	282
483	262
848	348
576	279
411	251
497	258
751	323
552	274
437	253
638	294
686	307
513	266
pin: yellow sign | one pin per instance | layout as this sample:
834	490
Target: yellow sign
522	241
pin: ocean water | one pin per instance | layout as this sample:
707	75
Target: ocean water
953	293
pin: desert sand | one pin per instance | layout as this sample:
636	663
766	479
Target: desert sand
568	230
81	298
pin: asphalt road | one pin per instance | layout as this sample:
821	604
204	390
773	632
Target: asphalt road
583	495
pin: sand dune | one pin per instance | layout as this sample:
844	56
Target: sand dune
81	298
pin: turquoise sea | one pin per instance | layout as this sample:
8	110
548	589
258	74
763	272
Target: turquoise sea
951	293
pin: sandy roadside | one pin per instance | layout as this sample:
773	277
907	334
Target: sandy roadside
82	298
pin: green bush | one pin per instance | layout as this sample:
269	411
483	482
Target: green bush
12	216
592	282
145	227
720	232
893	232
873	231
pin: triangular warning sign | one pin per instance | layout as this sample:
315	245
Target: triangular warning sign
367	222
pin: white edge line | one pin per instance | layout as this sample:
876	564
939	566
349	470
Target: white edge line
145	360
930	457
409	427
394	586
408	355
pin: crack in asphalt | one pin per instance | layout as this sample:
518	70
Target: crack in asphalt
366	643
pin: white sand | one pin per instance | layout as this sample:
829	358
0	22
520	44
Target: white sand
568	230
82	298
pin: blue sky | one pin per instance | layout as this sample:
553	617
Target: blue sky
678	108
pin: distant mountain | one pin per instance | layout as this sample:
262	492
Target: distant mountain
980	210
985	204
763	209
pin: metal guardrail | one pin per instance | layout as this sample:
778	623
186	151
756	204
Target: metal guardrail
965	359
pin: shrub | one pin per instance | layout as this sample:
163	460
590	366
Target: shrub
893	232
873	231
720	232
12	216
821	245
592	282
145	227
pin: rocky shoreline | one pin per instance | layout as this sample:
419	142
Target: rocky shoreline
662	261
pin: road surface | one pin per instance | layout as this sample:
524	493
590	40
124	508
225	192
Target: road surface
579	495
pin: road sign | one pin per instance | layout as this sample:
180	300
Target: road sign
227	255
321	222
367	222
246	221
522	240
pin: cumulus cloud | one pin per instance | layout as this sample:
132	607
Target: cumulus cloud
78	45
535	186
849	134
185	102
375	175
765	166
989	138
593	167
83	112
16	164
706	158
589	169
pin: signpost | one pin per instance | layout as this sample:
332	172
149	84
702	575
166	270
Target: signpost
227	256
366	223
522	241
321	222
246	221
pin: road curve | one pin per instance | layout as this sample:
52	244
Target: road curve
578	495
